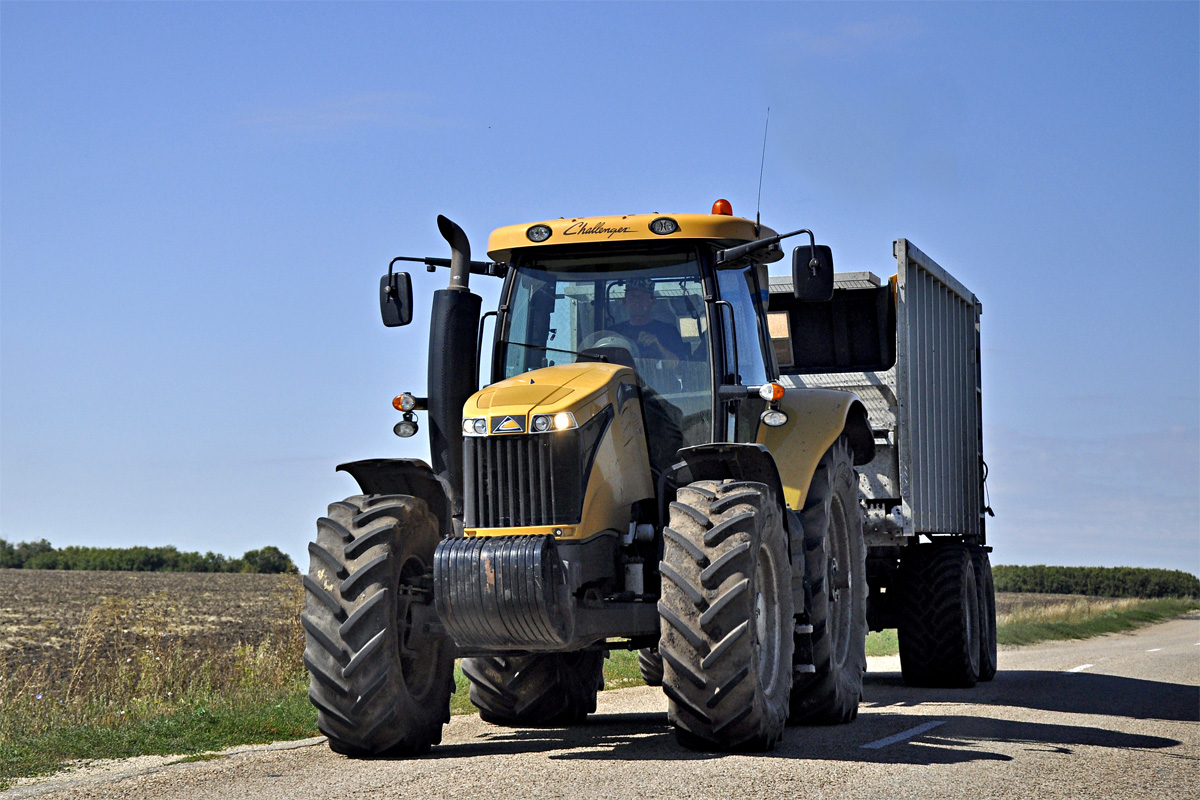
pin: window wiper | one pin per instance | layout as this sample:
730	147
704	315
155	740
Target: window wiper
550	349
545	349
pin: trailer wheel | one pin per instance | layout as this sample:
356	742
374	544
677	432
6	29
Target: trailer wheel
836	566
939	617
542	689
987	613
381	685
650	664
726	611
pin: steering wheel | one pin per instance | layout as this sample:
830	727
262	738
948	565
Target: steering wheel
606	338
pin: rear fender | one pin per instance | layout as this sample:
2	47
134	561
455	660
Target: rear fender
409	476
816	418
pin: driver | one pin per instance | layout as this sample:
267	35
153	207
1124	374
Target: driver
654	338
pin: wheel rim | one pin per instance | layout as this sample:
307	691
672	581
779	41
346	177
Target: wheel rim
418	654
766	622
839	580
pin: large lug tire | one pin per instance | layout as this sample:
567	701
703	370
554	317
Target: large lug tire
987	613
726	611
835	556
650	664
381	684
939	617
542	689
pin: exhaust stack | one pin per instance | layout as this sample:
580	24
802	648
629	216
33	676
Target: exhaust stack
453	369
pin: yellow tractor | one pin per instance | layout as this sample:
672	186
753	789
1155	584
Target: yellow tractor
634	476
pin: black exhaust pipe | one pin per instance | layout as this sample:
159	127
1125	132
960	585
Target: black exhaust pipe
453	371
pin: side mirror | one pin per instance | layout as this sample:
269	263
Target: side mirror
812	273
395	299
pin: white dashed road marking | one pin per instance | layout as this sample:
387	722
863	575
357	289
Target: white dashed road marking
1154	650
900	737
1080	668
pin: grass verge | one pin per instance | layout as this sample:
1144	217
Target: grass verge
148	695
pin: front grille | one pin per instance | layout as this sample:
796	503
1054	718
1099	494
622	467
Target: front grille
529	479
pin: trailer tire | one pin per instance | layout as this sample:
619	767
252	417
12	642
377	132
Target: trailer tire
836	566
380	684
726	612
650	664
939	617
538	689
987	613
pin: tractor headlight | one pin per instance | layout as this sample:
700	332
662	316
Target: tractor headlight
475	426
562	421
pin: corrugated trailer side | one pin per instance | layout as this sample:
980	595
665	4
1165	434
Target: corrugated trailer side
939	421
922	393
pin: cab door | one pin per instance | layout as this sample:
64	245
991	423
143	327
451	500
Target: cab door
750	363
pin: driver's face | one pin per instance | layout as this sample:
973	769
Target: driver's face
639	301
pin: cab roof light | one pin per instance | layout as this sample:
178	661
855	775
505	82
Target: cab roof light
723	206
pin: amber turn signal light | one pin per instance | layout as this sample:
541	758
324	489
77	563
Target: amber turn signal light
771	392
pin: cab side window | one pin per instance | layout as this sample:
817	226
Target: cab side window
739	288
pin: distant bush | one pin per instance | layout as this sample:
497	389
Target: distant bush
1097	581
42	555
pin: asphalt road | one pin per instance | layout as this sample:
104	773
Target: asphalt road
1112	717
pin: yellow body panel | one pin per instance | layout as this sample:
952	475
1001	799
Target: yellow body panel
816	418
629	227
620	473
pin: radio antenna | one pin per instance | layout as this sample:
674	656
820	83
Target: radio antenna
761	164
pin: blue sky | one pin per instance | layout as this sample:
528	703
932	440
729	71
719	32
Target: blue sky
197	200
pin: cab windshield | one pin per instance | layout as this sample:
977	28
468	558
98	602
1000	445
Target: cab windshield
644	310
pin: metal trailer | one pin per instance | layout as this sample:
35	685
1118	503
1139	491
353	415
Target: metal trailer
909	348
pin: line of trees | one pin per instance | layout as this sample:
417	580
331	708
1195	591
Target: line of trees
42	555
1097	581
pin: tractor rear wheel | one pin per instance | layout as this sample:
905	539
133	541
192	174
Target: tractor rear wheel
726	611
939	617
380	682
541	689
836	568
650	665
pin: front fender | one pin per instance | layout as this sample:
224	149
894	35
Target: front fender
409	476
722	461
816	418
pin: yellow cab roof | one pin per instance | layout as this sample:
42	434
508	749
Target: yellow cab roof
720	228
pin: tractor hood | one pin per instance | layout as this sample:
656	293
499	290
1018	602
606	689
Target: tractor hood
581	390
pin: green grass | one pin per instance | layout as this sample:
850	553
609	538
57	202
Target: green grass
164	704
1072	619
191	729
1085	617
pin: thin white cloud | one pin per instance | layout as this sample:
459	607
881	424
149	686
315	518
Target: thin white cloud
381	108
853	39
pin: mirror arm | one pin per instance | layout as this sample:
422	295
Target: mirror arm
495	269
734	253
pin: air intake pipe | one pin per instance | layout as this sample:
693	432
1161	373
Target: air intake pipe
453	371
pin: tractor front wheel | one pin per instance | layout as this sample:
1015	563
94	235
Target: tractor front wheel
726	612
380	681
